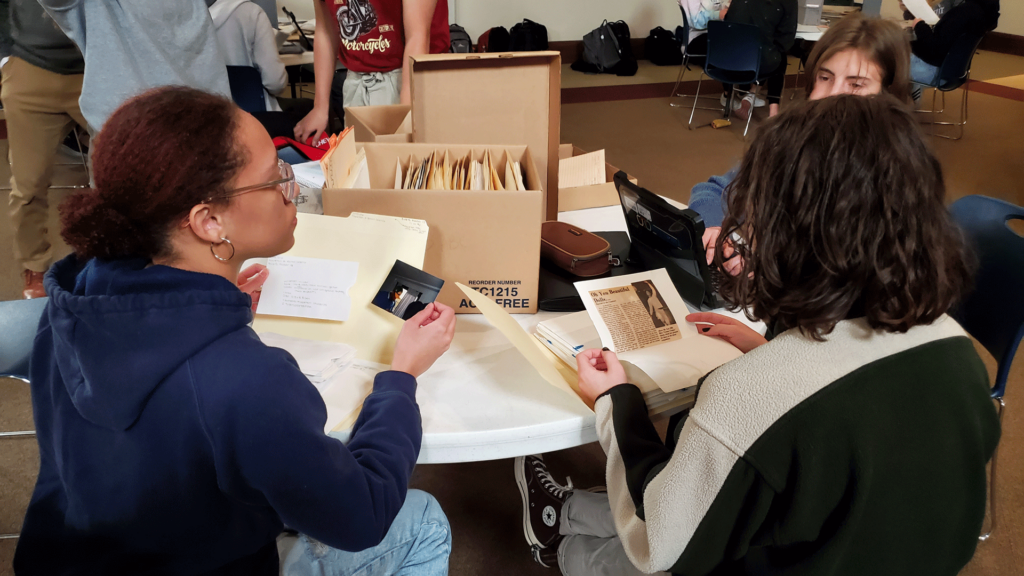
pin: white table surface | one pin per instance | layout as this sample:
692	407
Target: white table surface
809	33
483	401
296	59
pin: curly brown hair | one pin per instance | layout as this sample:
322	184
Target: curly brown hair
158	155
839	207
880	41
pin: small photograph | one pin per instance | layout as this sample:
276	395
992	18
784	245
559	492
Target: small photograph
407	290
656	307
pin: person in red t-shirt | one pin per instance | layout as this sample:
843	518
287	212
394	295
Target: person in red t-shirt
373	39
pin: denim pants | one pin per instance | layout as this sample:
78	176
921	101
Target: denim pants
591	546
922	73
418	544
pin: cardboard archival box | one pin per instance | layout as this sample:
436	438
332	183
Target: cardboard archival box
581	197
380	123
510	98
488	240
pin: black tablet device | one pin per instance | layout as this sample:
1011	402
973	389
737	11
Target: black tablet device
663	236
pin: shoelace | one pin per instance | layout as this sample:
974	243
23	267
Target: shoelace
549	484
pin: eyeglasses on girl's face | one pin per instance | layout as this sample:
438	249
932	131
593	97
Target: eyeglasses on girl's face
285	185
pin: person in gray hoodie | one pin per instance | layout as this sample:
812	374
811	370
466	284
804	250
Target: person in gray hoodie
42	79
246	38
131	46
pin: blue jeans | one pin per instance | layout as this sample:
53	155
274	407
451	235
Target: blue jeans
418	544
922	73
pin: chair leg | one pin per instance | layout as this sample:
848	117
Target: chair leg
1001	407
751	113
682	70
18	434
695	97
679	78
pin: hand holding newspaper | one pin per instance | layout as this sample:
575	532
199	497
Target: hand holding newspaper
640	318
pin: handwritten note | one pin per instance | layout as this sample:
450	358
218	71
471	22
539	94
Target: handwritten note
582	170
308	288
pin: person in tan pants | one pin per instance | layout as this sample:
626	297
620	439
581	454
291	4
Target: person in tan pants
42	81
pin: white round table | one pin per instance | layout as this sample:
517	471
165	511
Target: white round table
483	401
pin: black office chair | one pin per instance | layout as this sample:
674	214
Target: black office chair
247	88
688	56
19	321
734	57
994	312
954	73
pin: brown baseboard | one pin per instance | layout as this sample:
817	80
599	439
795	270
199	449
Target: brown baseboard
3	129
996	90
1003	43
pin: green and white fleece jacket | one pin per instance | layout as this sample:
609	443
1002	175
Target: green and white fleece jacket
862	454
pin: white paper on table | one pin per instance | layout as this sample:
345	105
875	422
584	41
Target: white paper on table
344	394
308	288
921	9
314	356
309	174
583	170
672	365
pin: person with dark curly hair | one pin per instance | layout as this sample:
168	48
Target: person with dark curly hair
171	439
854	442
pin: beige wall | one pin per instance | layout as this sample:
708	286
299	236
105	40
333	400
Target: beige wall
564	19
571	19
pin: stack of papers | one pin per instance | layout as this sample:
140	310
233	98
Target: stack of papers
319	361
583	170
567	336
442	171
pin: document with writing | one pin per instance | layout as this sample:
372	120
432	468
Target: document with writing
641	318
308	288
583	170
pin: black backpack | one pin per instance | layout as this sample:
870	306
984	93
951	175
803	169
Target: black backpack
528	36
601	48
627	65
662	48
461	42
494	40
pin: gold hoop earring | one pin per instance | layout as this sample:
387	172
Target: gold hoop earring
228	242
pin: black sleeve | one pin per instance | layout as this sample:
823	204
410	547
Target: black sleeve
643	452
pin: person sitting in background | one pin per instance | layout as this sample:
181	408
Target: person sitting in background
42	80
855	442
171	439
776	22
131	46
247	38
857	55
374	39
932	45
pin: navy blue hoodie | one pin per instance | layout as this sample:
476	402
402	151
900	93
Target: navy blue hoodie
173	441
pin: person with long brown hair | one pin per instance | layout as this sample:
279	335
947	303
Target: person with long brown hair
171	439
857	55
854	442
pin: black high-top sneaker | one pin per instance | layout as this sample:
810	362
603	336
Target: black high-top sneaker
542	502
546	557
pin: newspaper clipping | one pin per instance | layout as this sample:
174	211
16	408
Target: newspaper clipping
636	316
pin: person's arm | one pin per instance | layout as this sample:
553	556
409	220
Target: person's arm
264	52
708	198
686	510
325	55
416	18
